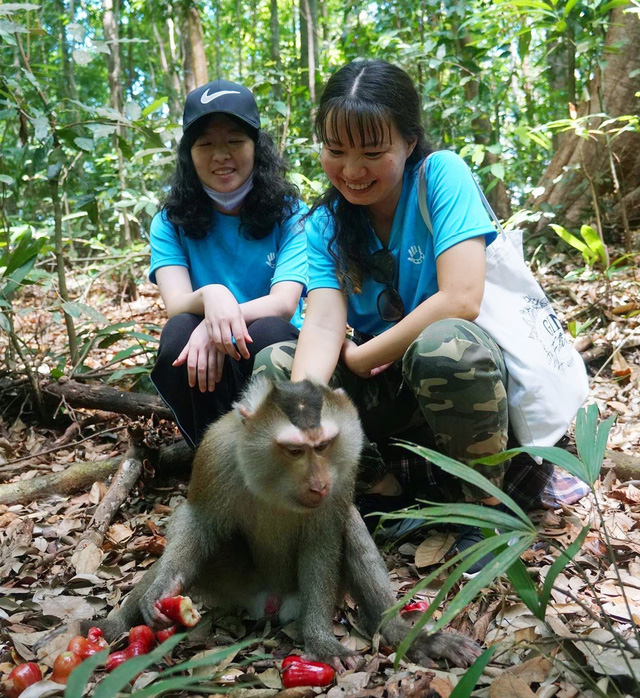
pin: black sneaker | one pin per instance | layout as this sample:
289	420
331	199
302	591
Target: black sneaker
392	529
467	537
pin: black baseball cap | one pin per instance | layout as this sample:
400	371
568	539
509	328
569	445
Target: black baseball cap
222	97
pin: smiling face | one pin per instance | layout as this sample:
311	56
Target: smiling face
223	154
366	165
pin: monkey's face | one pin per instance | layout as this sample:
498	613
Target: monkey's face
301	446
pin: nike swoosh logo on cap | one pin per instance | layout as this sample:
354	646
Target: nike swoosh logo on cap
206	97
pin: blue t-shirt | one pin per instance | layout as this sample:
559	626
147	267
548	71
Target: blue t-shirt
225	255
456	213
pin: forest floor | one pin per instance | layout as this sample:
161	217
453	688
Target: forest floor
45	581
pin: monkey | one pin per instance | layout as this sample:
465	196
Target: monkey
269	525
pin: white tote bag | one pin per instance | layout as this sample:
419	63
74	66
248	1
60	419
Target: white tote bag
547	376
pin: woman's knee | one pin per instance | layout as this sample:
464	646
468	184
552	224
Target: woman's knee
175	335
275	361
452	349
270	330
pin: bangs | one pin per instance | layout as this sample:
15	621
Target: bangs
365	123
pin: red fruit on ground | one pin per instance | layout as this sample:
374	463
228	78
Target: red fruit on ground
291	659
166	633
63	666
78	644
301	672
115	659
95	635
180	609
136	649
144	634
84	648
415	607
21	677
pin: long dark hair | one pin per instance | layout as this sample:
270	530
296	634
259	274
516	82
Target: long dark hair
365	96
271	200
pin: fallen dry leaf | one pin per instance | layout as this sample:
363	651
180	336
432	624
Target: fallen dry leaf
509	686
432	550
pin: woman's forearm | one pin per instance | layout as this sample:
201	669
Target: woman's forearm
317	352
392	344
281	302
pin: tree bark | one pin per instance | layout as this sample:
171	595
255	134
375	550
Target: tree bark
69	87
275	46
128	473
484	134
581	162
104	397
171	78
111	34
309	45
196	39
169	460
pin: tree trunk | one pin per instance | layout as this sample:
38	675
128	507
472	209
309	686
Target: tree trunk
171	78
483	133
197	46
275	47
309	45
110	25
239	20
195	59
585	171
69	88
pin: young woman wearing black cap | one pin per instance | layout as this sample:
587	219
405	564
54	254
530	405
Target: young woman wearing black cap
228	255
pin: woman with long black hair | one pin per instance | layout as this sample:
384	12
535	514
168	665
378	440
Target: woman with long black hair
228	255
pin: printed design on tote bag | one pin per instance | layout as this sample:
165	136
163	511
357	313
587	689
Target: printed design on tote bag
271	260
547	329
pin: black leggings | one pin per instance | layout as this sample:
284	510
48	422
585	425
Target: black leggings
195	411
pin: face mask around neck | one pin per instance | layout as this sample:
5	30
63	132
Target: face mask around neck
232	199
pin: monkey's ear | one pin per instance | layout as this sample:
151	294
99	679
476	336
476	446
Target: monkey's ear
253	397
243	411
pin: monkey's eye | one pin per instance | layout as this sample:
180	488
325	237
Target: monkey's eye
294	451
321	447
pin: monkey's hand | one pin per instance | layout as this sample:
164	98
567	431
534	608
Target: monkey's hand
458	649
165	584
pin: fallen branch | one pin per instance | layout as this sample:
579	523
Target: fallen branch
170	460
126	477
625	466
78	476
104	397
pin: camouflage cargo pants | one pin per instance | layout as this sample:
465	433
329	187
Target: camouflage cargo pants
448	391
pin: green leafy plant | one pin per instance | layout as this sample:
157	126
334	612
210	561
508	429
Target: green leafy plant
591	246
508	535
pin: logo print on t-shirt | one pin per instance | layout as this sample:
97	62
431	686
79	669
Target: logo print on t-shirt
271	260
416	255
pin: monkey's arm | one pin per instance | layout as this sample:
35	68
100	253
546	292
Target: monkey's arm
318	575
367	580
190	544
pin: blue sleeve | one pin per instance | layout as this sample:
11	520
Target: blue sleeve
454	203
166	249
291	261
322	266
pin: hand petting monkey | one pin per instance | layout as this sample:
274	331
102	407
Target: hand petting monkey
269	525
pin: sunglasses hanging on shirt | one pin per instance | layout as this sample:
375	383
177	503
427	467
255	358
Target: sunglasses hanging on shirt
382	267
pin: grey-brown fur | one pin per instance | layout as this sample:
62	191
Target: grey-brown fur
242	531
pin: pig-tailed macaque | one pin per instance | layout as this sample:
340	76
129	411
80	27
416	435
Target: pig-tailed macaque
269	526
